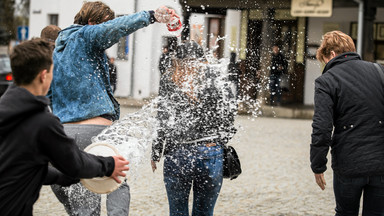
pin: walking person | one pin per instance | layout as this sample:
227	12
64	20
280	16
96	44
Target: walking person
195	120
81	92
32	137
348	118
278	67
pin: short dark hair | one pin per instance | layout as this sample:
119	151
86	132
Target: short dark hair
29	58
189	50
96	12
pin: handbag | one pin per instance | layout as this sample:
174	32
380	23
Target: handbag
231	163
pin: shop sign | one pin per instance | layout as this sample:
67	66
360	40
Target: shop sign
311	8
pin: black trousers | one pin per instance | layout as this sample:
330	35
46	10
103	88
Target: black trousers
348	192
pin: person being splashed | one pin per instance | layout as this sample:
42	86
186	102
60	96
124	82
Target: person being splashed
196	115
81	92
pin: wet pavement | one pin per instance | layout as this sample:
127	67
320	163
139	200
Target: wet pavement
276	179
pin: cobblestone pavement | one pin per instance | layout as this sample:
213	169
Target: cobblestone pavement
276	179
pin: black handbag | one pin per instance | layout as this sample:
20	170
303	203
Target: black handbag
231	163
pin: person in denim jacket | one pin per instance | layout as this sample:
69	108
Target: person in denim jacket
196	115
81	93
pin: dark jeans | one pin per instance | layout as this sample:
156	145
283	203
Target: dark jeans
275	89
77	200
199	167
348	191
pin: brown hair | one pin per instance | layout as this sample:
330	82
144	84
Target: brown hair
336	41
50	33
96	12
29	58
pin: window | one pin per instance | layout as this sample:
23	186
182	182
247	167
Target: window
53	19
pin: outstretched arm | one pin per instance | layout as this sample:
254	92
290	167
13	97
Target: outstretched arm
64	155
107	34
54	176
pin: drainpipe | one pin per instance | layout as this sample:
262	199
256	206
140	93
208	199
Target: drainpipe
360	27
131	93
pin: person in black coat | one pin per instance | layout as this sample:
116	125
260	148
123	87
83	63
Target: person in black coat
31	136
348	118
278	67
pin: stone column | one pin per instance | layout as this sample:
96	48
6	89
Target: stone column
268	36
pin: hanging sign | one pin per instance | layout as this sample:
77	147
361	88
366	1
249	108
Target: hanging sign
311	8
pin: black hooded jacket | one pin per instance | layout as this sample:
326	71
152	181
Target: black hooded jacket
349	101
30	137
183	120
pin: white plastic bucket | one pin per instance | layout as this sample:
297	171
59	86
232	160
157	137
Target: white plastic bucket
101	185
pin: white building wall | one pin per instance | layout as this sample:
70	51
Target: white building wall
146	44
232	32
199	19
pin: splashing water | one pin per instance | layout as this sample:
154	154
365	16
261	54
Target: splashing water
132	136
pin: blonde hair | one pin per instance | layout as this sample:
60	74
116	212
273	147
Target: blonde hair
336	41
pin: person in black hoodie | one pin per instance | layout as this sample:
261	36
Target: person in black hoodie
349	117
31	136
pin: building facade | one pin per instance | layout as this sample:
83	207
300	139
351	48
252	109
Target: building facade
252	27
245	28
137	55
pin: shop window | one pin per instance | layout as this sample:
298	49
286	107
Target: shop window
378	37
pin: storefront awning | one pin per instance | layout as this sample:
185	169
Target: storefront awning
255	4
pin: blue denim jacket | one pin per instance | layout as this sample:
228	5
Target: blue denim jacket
80	88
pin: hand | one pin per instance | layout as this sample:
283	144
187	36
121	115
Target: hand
153	165
165	15
120	166
320	180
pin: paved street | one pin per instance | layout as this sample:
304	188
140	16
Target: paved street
276	178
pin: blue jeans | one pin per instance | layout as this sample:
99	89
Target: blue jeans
197	166
348	191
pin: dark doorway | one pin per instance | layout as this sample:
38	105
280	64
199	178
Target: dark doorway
286	37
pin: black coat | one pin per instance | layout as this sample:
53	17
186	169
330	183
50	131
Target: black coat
349	101
30	137
278	64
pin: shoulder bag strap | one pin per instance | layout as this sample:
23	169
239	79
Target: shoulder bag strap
380	70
